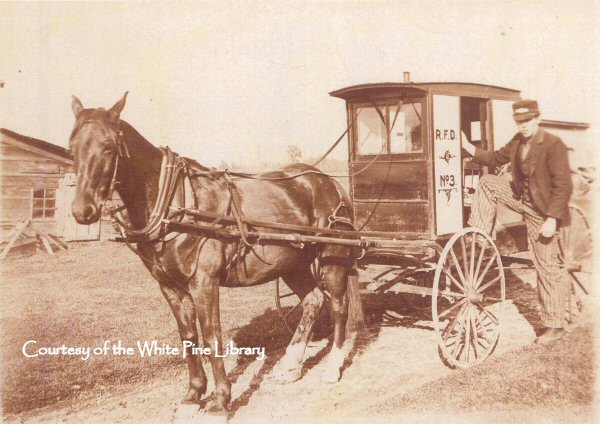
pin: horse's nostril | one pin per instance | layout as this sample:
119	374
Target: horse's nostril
89	211
84	213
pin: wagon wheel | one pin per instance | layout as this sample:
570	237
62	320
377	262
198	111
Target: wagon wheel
467	297
289	306
575	256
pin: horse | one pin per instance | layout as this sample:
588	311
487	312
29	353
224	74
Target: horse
190	268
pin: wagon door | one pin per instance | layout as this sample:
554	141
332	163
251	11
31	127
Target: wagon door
447	174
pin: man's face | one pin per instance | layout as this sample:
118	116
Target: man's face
528	128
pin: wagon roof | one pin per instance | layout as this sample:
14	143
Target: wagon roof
374	90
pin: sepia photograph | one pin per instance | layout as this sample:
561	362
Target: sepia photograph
299	211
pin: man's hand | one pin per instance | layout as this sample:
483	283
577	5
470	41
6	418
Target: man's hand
548	228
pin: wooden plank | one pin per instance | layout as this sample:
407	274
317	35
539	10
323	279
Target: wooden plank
41	152
210	218
29	166
390	181
408	288
12	152
404	246
29	174
393	217
17	232
30	181
39	167
14	191
61	244
46	243
12	204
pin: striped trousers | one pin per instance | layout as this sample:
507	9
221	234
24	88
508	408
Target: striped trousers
552	280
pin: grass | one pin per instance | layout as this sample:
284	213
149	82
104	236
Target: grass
101	291
97	292
557	375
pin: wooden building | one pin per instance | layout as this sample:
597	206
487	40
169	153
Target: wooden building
38	182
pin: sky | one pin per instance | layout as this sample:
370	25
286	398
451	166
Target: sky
241	81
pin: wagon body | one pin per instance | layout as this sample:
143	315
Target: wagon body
404	143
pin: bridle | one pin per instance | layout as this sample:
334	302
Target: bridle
171	169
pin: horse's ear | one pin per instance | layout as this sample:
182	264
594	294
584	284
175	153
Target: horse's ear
118	107
76	106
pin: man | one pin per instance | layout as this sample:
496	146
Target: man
540	191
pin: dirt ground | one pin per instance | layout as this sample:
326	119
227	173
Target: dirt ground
390	358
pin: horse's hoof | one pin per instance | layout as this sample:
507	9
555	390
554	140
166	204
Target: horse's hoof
215	415
193	395
331	375
288	376
185	413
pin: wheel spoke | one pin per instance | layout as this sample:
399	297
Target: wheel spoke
452	294
579	283
461	326
287	295
483	329
587	254
472	261
448	331
493	299
480	259
475	337
464	257
468	332
485	270
451	308
488	284
489	314
454	280
458	269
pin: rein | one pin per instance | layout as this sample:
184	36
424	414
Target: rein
171	170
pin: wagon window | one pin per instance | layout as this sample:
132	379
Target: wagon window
389	128
405	135
44	203
371	132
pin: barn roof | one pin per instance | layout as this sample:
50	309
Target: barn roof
40	145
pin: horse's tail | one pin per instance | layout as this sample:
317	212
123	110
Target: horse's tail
356	316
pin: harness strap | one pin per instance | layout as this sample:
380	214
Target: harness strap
171	170
236	208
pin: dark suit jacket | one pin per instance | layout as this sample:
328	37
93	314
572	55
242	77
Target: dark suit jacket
549	177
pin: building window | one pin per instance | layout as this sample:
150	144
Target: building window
44	203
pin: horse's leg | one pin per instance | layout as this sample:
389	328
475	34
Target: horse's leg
335	273
289	368
205	293
182	306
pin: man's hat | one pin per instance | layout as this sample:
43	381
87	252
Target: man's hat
524	110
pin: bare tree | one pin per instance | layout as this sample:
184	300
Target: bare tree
294	153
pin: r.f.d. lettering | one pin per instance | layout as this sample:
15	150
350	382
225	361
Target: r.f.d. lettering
445	134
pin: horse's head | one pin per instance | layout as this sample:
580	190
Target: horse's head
95	143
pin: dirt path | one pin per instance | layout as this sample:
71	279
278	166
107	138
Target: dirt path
393	361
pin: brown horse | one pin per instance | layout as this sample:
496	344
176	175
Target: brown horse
191	268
